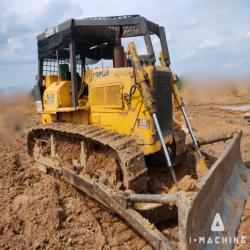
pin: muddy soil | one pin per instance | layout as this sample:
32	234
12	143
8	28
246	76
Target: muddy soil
41	212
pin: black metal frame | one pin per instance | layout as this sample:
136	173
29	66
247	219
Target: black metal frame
72	53
133	25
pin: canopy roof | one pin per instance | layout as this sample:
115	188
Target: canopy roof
94	37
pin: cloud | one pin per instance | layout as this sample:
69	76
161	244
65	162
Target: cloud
190	23
209	44
189	54
206	44
194	21
248	34
14	44
18	49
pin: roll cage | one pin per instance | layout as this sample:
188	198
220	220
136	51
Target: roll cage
94	38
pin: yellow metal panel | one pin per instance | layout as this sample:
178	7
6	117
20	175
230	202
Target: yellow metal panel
48	118
49	79
114	83
113	96
78	116
106	97
64	94
57	95
96	96
50	99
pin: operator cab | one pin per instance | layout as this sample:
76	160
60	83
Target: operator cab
66	51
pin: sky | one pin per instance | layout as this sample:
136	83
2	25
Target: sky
207	37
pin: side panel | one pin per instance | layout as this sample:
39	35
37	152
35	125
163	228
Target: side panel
57	95
111	106
78	116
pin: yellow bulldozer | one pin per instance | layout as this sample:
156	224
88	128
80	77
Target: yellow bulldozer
115	132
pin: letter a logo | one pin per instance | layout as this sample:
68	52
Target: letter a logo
217	225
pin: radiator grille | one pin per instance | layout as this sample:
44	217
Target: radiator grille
162	92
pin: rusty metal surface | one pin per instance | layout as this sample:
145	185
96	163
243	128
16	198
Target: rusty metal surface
218	138
211	140
138	222
224	190
153	198
107	198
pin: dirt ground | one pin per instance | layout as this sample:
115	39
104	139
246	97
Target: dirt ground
41	212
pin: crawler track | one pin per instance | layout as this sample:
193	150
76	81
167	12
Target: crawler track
128	153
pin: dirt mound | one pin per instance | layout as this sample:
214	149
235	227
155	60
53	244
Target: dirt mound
39	211
14	118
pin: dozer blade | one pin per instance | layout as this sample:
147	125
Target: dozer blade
222	194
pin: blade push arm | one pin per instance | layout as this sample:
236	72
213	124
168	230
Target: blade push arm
178	99
149	103
141	78
201	161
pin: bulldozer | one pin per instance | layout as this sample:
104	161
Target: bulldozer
119	133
